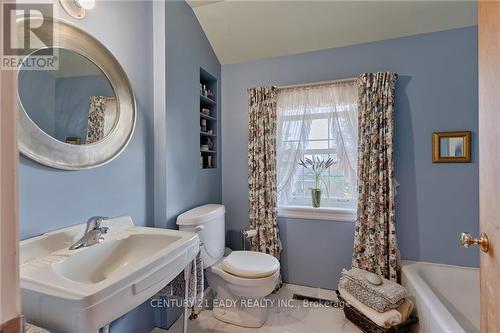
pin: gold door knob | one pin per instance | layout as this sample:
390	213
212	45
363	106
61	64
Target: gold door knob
467	241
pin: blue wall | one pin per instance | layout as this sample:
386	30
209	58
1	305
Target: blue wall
187	49
52	199
36	92
436	91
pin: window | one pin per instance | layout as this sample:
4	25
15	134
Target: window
317	122
321	145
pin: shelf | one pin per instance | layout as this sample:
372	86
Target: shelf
207	100
208	134
208	121
206	116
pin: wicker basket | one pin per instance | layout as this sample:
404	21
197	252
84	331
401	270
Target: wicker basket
368	326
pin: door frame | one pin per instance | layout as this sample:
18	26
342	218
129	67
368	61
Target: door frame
11	320
489	158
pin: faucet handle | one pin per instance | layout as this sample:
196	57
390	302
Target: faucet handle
104	230
95	222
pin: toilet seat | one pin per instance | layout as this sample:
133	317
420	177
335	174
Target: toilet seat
250	264
253	283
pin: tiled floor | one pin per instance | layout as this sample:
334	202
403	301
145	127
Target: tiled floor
295	319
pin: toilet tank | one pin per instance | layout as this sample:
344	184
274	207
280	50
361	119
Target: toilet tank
208	222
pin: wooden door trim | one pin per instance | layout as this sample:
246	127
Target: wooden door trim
15	325
489	158
10	305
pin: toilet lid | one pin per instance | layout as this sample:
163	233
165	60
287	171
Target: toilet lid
249	264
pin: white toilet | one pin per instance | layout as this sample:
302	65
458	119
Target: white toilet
242	279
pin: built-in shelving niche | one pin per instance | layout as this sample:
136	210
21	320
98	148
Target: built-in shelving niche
208	120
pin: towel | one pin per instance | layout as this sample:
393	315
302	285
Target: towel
196	286
405	309
385	319
389	295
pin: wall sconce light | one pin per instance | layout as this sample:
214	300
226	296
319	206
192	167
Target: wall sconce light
77	8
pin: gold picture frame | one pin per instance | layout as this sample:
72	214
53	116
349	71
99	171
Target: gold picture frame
451	147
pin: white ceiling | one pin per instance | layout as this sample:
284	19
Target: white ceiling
249	30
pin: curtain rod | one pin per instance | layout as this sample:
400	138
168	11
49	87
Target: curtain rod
321	83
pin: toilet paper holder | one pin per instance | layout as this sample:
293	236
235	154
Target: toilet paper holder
247	234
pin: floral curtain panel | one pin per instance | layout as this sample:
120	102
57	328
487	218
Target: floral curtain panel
95	126
375	247
262	170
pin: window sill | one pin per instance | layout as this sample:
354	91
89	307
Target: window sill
322	213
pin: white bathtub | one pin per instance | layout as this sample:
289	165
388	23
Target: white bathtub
446	297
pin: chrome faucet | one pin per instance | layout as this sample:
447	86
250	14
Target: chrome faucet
93	233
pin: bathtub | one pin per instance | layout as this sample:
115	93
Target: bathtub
446	297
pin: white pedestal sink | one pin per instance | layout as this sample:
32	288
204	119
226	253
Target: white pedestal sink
85	289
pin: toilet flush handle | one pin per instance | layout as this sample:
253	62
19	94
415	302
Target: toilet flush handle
197	229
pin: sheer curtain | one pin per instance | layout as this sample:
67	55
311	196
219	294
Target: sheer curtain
296	108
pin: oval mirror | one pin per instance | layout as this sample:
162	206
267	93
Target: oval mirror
77	110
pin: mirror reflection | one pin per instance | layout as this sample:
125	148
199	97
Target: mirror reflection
452	147
74	104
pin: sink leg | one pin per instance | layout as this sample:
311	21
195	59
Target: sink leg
187	273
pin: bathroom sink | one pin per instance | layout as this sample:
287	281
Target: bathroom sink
85	289
113	257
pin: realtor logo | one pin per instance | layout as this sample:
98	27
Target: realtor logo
28	28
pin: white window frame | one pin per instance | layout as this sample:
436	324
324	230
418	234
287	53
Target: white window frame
320	213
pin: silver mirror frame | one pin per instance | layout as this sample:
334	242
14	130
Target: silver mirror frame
44	149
